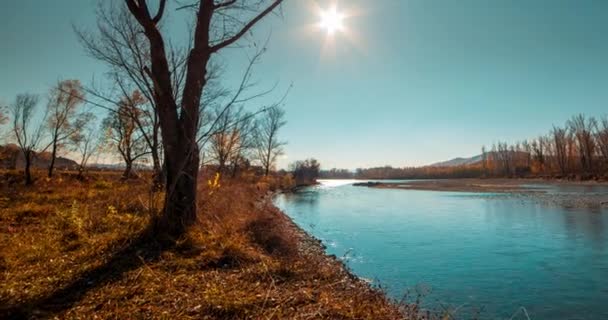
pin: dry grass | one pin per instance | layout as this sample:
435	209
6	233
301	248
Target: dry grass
72	249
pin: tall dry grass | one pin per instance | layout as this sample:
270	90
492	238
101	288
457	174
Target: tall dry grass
80	249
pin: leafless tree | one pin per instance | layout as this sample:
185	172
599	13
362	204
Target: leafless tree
123	133
86	142
26	129
571	151
144	117
3	116
122	45
242	151
561	148
601	136
3	120
268	145
223	141
63	120
218	24
505	158
527	149
582	130
538	150
233	137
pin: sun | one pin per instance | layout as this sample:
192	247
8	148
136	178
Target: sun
331	20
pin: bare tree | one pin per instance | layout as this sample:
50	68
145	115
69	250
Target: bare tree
246	143
539	156
3	116
122	45
218	24
232	138
3	120
601	136
86	142
561	148
527	149
268	146
505	158
224	140
63	120
27	132
571	152
123	133
143	116
176	81
582	129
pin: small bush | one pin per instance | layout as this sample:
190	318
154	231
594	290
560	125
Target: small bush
272	237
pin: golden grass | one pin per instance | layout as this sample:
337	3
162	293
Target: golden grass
72	249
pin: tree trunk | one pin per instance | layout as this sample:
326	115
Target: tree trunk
53	156
80	172
181	189
28	164
127	174
235	167
158	177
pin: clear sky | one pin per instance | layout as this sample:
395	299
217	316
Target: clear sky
408	82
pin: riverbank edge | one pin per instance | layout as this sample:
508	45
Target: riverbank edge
309	244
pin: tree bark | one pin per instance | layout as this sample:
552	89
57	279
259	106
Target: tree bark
53	157
80	172
235	167
128	173
181	188
158	176
28	163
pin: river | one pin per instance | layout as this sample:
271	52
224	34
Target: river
480	254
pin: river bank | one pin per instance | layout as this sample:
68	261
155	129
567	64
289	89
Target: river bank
72	249
591	194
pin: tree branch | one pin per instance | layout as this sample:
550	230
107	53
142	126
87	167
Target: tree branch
161	10
246	28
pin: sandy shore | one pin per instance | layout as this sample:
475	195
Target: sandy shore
588	197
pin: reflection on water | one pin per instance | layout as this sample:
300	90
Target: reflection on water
489	251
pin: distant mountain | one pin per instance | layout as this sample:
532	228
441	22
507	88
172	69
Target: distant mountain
457	162
12	158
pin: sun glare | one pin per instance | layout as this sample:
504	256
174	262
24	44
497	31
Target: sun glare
331	20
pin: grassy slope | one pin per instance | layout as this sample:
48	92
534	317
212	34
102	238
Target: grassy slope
79	250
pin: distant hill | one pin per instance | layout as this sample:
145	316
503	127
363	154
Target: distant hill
458	162
12	158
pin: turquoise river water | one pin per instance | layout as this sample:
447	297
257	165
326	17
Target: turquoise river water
475	253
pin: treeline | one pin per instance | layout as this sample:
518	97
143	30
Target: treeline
388	172
63	125
66	125
576	150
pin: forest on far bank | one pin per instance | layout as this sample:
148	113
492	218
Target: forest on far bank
577	150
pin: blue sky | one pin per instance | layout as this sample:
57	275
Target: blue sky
411	81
